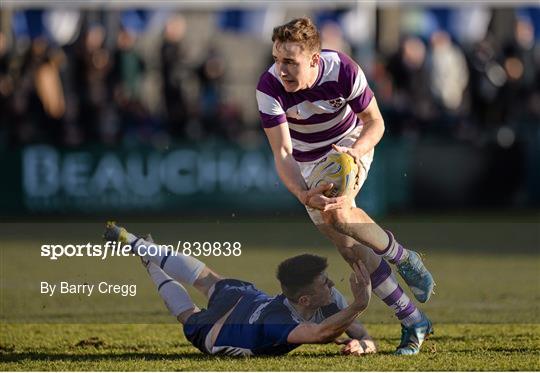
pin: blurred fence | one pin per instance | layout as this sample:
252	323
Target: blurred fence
225	179
187	179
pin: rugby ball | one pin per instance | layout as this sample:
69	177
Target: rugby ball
337	168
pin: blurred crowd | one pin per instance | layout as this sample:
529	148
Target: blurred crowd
95	86
439	86
73	78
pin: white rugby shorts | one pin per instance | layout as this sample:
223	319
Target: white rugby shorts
307	167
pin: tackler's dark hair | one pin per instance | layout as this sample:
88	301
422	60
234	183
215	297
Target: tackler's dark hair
298	272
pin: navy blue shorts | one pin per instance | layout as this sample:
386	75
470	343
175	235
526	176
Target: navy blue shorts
226	293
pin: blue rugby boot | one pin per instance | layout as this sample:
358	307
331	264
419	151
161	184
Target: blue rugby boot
416	275
413	336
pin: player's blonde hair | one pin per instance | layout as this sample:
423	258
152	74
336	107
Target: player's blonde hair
299	30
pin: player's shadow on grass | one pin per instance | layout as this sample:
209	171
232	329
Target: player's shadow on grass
319	354
148	356
85	356
499	349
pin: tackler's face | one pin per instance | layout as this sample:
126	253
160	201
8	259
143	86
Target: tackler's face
320	293
295	65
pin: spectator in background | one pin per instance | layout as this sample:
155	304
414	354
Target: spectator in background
211	74
412	105
519	65
220	116
126	79
487	79
332	38
39	104
93	63
173	74
48	84
6	90
449	77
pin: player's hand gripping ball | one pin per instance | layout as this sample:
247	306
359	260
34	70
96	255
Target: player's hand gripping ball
339	169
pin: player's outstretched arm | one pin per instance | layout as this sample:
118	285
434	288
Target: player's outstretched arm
289	172
335	325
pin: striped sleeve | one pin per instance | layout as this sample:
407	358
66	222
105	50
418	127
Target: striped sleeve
270	109
358	93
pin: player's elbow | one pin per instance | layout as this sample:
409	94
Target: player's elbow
282	154
378	124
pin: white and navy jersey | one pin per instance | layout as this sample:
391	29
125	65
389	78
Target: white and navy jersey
260	324
321	115
338	303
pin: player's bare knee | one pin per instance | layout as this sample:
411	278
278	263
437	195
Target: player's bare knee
339	219
206	279
337	216
182	317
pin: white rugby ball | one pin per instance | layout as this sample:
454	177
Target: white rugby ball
339	169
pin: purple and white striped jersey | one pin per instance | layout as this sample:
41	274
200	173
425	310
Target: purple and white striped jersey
321	115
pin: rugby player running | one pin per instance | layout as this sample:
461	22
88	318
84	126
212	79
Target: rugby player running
313	102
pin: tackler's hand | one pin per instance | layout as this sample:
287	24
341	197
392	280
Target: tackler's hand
360	286
357	347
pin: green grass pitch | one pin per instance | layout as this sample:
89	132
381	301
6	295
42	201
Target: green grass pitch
485	313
